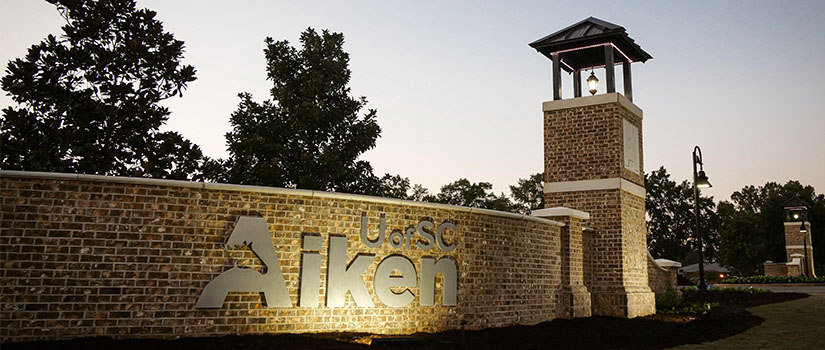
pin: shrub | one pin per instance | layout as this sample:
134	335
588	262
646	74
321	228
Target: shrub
672	302
774	279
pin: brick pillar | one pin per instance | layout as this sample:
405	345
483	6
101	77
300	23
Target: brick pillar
795	245
593	163
574	298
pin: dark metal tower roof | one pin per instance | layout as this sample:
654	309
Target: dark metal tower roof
795	202
580	45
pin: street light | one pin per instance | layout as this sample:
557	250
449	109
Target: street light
804	231
700	180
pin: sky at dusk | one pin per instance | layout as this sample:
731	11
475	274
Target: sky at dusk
459	92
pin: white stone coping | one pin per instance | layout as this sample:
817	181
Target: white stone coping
560	211
613	97
668	263
596	184
264	189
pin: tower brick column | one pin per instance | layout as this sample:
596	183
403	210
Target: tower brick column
574	297
593	163
795	246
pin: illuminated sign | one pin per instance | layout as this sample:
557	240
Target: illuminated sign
394	271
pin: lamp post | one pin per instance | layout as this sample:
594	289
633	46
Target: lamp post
804	231
700	180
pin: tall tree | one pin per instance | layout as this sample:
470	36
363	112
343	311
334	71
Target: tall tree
741	240
88	100
312	132
753	229
528	194
671	221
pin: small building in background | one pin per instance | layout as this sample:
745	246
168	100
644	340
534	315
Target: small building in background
714	273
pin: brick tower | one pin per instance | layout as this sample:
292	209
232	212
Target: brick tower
593	163
797	236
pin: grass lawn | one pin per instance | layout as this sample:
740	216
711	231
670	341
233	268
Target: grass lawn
796	324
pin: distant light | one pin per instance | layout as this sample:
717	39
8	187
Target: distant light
721	275
593	83
796	215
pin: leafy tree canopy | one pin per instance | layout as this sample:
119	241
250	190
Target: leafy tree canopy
753	225
462	192
528	194
88	100
671	220
312	132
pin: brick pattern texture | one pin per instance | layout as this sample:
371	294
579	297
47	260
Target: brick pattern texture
92	258
797	239
660	278
587	143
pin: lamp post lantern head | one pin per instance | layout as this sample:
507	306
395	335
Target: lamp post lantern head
593	83
702	180
588	44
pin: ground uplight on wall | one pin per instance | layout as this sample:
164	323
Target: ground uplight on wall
593	83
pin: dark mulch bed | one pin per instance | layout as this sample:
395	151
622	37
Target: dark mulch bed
651	332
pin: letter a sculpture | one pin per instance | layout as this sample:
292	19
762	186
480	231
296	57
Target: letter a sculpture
252	232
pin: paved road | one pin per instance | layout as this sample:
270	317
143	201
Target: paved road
795	324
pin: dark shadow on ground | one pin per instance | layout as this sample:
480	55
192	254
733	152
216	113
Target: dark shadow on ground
651	332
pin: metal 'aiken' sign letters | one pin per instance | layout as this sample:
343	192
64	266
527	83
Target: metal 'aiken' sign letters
394	271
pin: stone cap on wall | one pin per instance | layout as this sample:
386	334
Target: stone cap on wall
560	211
264	189
613	97
668	263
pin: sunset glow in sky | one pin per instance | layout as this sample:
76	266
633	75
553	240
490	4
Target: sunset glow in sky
459	92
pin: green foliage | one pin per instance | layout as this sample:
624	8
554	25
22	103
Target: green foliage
672	302
753	225
774	279
311	133
668	300
478	195
395	186
88	100
671	220
528	194
692	290
741	240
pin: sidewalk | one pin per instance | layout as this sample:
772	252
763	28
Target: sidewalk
796	324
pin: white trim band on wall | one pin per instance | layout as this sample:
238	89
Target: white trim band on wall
592	185
799	247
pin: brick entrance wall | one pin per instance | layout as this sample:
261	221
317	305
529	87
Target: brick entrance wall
106	256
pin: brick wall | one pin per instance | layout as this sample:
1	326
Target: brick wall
660	278
104	256
776	269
